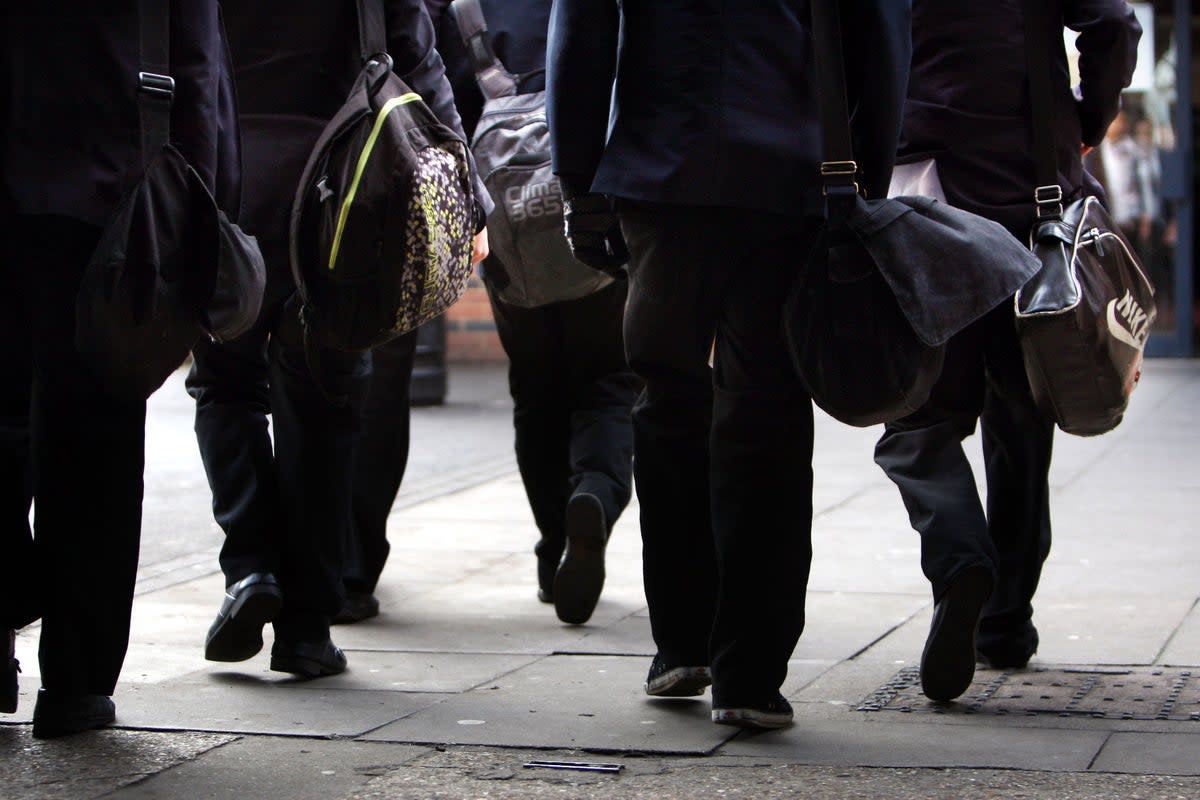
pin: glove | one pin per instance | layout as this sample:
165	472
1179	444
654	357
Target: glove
594	233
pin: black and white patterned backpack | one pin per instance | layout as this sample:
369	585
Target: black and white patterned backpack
384	216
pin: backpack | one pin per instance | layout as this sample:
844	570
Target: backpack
533	265
384	216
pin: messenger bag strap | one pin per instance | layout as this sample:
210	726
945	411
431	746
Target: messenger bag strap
372	28
493	79
839	170
156	87
1048	194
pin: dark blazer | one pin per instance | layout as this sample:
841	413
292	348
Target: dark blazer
69	135
714	101
968	97
294	62
517	29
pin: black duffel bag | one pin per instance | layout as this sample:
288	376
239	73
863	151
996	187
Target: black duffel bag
169	267
889	281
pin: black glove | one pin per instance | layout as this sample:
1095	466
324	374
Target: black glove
594	233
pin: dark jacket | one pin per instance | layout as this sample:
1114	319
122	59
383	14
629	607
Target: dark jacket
968	97
517	30
714	101
69	134
294	63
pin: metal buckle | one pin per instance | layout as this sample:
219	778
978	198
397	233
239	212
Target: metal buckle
156	85
1049	201
833	170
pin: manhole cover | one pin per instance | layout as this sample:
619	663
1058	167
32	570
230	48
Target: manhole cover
1106	693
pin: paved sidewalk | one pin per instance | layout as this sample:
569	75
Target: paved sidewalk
466	676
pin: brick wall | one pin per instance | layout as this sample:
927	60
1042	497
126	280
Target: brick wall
470	330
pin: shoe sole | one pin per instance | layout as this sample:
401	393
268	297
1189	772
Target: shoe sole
948	660
580	576
50	728
305	667
751	718
238	636
680	682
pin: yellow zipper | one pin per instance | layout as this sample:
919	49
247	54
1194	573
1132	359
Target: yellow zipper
388	107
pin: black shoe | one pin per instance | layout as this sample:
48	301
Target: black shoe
8	690
249	604
356	607
1006	646
580	576
547	568
948	661
57	715
775	713
307	659
666	680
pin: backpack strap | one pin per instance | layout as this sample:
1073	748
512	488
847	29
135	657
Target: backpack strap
493	79
156	87
839	170
1048	194
372	29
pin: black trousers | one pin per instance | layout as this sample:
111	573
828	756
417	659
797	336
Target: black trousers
723	456
572	397
380	458
983	379
284	504
73	451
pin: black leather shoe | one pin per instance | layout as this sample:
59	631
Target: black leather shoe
547	568
236	633
307	659
580	576
948	661
8	690
1010	650
356	607
57	715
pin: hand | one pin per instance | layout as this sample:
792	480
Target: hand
479	250
594	233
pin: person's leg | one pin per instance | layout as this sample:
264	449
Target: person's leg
532	340
599	394
229	384
380	458
670	320
762	441
19	598
923	456
87	461
1017	444
314	456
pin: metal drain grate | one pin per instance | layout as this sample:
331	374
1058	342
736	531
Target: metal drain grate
1104	693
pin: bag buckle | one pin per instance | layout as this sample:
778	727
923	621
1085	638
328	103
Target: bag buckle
160	86
1049	201
840	174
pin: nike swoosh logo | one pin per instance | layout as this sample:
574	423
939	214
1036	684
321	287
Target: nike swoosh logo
1118	331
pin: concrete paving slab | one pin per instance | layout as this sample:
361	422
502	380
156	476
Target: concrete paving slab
876	743
269	768
1106	628
840	624
629	636
465	632
379	671
1184	647
1151	753
585	702
90	764
235	703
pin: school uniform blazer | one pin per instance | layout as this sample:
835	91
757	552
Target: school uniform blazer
294	63
714	101
517	30
69	133
968	96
